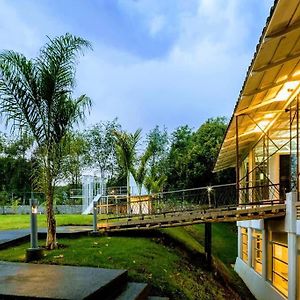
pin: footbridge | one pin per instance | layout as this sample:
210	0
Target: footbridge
220	203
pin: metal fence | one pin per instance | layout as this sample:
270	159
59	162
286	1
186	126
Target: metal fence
203	198
168	202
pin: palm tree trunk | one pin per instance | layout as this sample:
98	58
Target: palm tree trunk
51	242
128	193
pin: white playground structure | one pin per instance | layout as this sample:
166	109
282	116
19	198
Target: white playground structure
94	189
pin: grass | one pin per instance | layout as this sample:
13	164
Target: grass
165	266
10	222
146	259
224	240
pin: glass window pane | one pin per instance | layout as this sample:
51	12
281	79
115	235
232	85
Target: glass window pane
280	267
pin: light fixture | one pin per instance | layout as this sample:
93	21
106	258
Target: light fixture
34	252
286	90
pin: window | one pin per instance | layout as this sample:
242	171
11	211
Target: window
257	251
279	262
244	239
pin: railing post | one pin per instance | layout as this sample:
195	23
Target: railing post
95	208
237	170
208	245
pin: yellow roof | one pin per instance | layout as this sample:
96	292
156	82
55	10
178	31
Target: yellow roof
271	83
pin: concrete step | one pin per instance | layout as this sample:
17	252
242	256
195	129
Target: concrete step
27	281
134	291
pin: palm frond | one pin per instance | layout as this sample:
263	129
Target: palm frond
19	95
57	65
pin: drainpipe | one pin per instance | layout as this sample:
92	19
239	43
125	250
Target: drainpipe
290	227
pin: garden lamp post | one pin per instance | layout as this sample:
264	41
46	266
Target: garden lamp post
34	252
95	231
95	203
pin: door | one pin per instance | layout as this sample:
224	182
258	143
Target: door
284	174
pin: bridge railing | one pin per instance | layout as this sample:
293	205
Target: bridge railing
255	192
116	206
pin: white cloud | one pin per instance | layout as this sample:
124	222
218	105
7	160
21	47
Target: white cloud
156	24
199	77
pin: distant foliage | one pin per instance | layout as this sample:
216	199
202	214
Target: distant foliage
193	154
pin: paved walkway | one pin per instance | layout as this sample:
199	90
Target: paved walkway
10	237
20	280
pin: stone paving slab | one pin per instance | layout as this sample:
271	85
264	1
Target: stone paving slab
39	281
9	237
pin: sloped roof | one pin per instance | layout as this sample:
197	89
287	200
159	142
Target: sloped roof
272	81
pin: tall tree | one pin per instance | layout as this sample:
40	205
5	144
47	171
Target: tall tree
178	157
74	159
193	154
158	142
140	172
126	152
36	96
101	154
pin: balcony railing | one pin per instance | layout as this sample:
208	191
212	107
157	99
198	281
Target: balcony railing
252	192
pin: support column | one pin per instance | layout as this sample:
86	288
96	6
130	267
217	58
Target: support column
237	168
239	242
290	226
264	254
249	246
208	245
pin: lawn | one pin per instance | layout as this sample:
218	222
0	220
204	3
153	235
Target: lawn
146	259
165	266
8	222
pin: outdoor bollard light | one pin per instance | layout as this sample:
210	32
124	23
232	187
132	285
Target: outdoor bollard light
95	215
33	224
95	232
34	252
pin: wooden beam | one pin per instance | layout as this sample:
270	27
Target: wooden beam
272	85
282	32
277	63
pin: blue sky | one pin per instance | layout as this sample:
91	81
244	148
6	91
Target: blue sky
155	62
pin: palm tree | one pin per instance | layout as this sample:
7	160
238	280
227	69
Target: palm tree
126	153
140	173
35	96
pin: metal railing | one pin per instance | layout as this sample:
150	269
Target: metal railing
116	206
252	192
203	198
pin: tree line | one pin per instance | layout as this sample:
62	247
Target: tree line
158	161
37	104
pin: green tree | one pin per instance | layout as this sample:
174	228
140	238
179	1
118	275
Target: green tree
140	172
74	159
158	142
125	144
206	142
178	158
193	154
15	167
36	96
101	154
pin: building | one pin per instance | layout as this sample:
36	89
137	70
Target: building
263	144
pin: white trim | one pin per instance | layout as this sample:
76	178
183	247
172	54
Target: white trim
260	288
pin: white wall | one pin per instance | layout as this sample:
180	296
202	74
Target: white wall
261	289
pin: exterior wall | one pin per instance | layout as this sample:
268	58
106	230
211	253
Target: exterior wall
258	282
260	288
274	168
25	209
